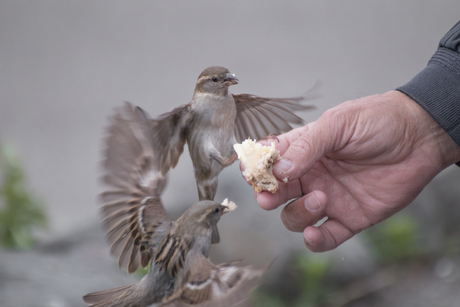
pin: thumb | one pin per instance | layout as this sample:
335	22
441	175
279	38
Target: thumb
314	141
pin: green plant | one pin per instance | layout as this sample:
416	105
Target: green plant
20	212
265	299
141	272
307	283
395	239
314	270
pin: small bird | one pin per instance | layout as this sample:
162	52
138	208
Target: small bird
213	121
141	233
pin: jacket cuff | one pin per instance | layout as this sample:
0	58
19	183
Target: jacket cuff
437	90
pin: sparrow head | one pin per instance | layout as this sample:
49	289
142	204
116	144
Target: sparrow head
207	213
215	80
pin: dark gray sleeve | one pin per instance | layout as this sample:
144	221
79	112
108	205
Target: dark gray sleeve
437	87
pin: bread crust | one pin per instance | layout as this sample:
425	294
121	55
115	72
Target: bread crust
258	161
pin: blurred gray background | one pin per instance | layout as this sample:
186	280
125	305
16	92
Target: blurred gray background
64	66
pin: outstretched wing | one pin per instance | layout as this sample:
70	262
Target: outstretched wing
169	134
209	285
257	117
133	213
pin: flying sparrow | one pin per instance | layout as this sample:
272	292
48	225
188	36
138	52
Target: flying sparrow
213	121
141	232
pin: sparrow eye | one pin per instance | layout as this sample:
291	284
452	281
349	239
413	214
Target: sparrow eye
214	79
216	210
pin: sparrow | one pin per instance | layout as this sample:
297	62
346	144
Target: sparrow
141	233
213	121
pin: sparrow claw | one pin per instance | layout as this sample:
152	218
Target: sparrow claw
232	159
222	160
271	136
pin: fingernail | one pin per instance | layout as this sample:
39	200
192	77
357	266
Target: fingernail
306	239
283	166
312	203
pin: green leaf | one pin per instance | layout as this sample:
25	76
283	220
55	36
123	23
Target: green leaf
20	212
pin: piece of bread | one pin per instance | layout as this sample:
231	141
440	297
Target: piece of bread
229	205
258	160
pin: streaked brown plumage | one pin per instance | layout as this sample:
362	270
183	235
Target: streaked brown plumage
209	285
141	232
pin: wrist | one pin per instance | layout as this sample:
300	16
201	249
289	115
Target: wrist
437	89
433	140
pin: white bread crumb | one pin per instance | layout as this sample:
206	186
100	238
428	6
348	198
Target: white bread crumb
258	160
230	206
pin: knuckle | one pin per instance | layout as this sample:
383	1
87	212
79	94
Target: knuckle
300	148
332	114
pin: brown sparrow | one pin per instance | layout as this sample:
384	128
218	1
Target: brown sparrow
141	232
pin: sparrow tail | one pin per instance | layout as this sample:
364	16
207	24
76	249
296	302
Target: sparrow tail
117	297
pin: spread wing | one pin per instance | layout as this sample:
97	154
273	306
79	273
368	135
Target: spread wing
134	216
258	117
210	285
169	134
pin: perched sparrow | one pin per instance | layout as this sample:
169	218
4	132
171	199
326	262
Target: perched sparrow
141	232
215	120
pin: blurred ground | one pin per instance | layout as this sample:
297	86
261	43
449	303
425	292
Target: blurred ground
65	65
59	273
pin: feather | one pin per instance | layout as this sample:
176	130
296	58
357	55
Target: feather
169	134
258	117
215	285
131	205
172	252
108	297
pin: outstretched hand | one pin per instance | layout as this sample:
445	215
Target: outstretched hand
358	164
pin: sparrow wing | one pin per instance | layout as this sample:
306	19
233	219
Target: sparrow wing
258	117
215	285
134	216
169	134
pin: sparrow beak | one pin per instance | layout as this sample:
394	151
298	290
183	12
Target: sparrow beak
230	79
228	206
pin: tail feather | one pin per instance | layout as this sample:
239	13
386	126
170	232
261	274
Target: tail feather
109	298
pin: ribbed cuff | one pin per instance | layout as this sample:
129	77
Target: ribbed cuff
437	90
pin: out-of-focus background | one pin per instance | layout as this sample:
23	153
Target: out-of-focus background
64	66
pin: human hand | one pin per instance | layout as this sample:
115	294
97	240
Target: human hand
358	164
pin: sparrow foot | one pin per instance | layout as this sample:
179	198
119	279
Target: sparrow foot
232	159
271	136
